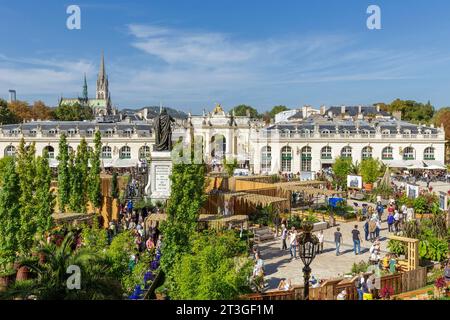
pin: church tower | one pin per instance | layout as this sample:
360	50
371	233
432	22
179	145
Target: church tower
102	82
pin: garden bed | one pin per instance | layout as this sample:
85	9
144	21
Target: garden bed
324	216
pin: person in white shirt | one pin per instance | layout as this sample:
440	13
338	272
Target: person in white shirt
320	237
396	220
293	243
409	214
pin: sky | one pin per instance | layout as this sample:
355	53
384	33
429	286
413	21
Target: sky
192	54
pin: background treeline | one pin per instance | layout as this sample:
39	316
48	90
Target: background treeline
20	111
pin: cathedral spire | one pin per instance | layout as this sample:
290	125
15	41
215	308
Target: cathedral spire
102	73
85	88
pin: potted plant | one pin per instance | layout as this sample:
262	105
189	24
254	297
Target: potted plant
440	284
7	277
386	292
161	293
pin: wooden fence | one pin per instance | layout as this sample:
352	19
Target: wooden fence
400	282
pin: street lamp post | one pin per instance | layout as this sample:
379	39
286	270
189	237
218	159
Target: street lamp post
308	248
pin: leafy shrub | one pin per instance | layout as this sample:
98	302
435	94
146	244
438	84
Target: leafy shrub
359	267
294	221
396	247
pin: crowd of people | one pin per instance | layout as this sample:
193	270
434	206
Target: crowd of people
145	239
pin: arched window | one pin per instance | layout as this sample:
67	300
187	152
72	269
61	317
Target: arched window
219	146
409	153
366	153
346	152
106	152
306	157
70	150
387	153
71	132
428	154
266	159
125	152
144	153
50	152
385	133
286	159
10	151
346	133
325	153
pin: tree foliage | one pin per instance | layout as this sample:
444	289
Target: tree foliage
411	110
73	112
63	174
242	110
9	215
186	200
370	170
341	168
6	115
94	180
217	268
26	170
44	197
277	109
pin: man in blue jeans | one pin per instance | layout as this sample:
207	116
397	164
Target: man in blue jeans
356	240
338	240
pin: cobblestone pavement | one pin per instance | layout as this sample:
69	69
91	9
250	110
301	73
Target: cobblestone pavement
278	263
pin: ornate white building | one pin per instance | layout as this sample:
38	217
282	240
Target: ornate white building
307	145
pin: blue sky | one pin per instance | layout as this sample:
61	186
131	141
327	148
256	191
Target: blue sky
192	54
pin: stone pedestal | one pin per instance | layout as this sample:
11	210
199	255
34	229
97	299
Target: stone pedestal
160	169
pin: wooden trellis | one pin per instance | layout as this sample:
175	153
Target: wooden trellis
413	251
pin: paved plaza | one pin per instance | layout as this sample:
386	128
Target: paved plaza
278	263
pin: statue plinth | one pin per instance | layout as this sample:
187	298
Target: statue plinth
160	169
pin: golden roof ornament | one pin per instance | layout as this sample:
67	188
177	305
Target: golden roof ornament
218	109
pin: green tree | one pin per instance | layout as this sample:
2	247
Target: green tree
73	112
26	171
114	186
277	109
6	116
44	197
215	269
186	199
370	170
242	110
76	194
230	165
9	215
411	110
341	168
94	187
63	174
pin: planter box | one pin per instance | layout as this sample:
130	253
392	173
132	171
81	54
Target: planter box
320	226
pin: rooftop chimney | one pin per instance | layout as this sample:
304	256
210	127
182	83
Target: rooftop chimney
378	108
342	109
322	110
12	95
359	109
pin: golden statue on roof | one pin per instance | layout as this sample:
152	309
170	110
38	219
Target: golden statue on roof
218	109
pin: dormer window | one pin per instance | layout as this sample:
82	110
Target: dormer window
407	133
325	133
386	133
71	132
